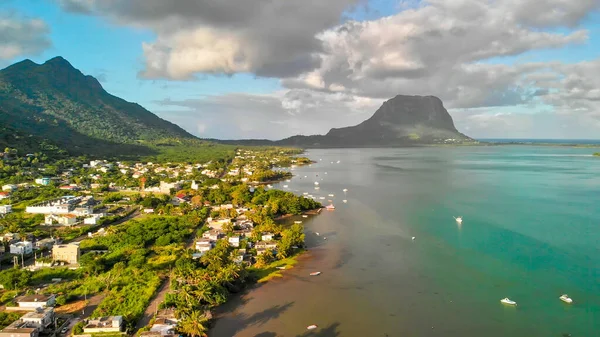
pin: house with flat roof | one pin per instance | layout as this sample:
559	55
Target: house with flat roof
5	209
23	247
66	253
104	324
35	301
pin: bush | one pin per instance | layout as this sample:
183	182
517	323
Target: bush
78	328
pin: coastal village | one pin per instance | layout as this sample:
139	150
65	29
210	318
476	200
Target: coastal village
100	247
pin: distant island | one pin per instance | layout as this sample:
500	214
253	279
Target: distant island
401	121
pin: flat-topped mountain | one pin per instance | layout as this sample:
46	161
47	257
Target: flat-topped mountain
400	121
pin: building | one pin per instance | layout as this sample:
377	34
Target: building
67	253
195	185
45	243
93	219
204	245
42	318
24	247
9	187
5	209
64	205
67	220
166	187
263	246
104	324
4	195
36	301
43	181
11	237
213	234
234	240
267	237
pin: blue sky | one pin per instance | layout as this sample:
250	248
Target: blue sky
206	71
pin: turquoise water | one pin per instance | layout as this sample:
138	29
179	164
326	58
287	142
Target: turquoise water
531	232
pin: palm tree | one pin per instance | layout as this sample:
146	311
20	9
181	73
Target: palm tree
194	324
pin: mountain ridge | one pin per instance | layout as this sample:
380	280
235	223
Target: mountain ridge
56	102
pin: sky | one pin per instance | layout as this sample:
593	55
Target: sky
270	69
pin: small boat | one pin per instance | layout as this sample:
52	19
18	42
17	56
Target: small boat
565	298
324	238
344	201
330	207
305	193
338	162
322	198
297	221
316	183
285	186
331	195
317	233
325	172
508	301
311	327
305	216
304	176
287	181
345	190
295	247
316	188
330	200
413	238
458	219
270	186
280	268
315	273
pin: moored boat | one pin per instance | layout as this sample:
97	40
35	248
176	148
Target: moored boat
315	273
458	219
330	207
506	300
565	298
311	327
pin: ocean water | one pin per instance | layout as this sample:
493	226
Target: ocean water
531	232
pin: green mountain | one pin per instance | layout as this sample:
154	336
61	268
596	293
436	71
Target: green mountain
54	106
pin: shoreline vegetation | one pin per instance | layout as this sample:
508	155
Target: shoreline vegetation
124	266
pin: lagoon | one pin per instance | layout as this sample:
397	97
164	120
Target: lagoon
530	233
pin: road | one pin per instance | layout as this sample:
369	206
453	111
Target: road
93	302
153	306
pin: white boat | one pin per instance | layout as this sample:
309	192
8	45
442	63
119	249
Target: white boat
304	176
344	201
305	216
330	200
413	238
458	219
345	190
311	327
565	298
324	238
317	233
316	188
315	273
338	161
330	207
285	186
331	195
270	186
322	198
325	172
508	301
287	181
305	193
297	221
316	183
281	268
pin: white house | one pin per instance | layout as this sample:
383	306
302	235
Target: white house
234	240
195	185
104	324
267	237
24	247
41	318
93	219
36	301
204	245
213	234
5	209
9	187
67	219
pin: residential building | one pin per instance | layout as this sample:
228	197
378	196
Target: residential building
42	318
148	210
5	209
67	219
36	301
11	237
4	195
62	205
104	324
67	253
195	185
93	219
213	234
204	245
43	181
45	243
267	237
166	187
266	245
234	240
23	247
9	187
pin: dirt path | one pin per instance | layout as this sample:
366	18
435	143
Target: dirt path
153	306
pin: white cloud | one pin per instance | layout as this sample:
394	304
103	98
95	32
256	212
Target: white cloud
20	36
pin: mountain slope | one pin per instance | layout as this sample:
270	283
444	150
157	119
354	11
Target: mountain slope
56	102
400	121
